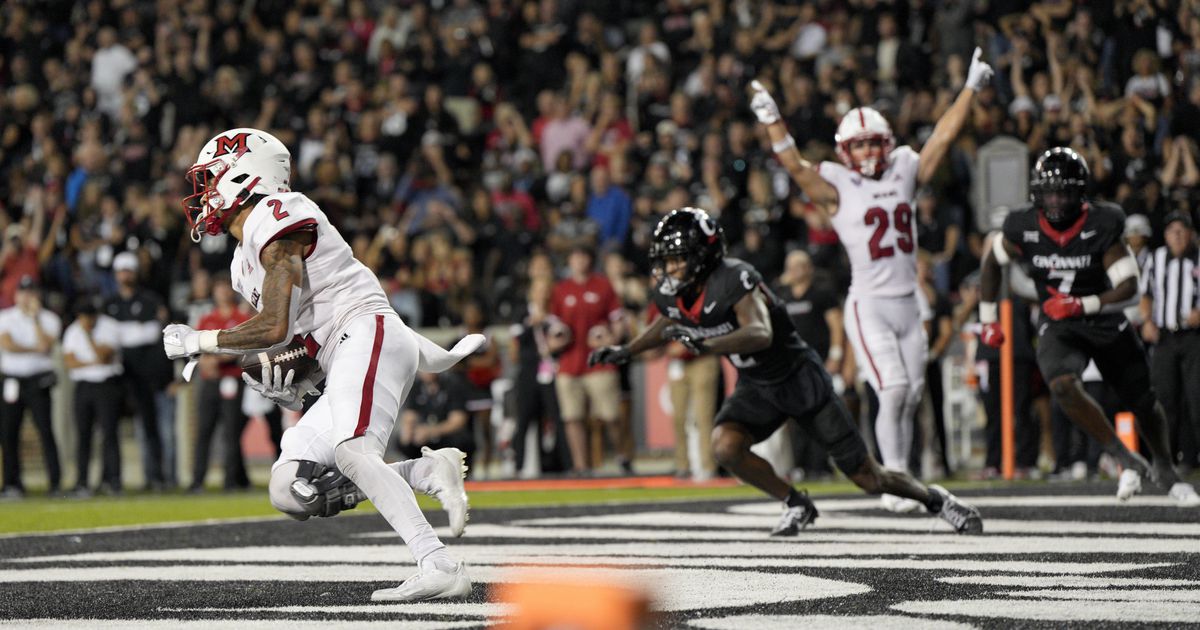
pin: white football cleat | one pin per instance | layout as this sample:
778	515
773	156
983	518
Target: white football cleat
429	584
448	474
1185	494
899	505
1128	484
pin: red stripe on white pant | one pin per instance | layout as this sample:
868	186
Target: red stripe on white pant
368	392
866	350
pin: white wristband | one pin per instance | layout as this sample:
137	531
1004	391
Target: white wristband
988	312
1091	304
783	145
835	353
208	340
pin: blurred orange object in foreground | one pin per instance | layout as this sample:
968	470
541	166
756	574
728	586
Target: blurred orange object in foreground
570	601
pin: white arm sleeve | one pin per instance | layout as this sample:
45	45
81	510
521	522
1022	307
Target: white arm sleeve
998	250
1123	269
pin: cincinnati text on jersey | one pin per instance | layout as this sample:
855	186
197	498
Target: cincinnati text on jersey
1054	261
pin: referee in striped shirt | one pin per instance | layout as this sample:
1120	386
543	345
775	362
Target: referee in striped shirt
1171	310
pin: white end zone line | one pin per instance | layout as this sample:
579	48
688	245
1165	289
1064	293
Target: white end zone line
1107	595
685	524
1064	581
1135	612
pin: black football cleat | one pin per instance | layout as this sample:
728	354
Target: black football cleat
962	516
796	517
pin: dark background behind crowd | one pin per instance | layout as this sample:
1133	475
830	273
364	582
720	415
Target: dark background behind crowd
466	147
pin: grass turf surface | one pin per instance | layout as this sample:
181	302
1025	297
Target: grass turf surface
49	514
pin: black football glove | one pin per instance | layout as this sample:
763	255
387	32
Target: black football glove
683	335
613	355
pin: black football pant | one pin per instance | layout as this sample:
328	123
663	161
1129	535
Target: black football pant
98	402
1065	347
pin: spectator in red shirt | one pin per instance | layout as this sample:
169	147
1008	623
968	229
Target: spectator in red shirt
219	394
18	259
588	316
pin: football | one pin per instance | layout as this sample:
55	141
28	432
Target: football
293	356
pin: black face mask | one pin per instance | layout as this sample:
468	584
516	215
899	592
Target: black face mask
1060	204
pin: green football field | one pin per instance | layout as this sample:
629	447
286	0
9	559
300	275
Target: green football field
49	514
45	514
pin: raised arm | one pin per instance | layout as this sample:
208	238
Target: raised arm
951	123
803	172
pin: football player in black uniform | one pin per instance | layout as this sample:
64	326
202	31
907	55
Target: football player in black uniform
714	304
1085	275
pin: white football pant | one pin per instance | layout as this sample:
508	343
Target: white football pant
891	347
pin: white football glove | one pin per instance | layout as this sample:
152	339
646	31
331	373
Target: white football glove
181	340
279	389
763	105
980	73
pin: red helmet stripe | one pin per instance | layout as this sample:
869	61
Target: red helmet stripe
862	120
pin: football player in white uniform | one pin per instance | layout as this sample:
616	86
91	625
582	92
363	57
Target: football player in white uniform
298	272
868	197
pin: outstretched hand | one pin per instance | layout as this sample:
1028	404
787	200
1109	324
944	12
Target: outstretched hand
611	355
684	336
980	73
279	388
180	340
763	105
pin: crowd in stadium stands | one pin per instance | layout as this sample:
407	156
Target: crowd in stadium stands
469	148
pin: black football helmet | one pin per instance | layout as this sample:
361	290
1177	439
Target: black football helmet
1060	170
690	234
